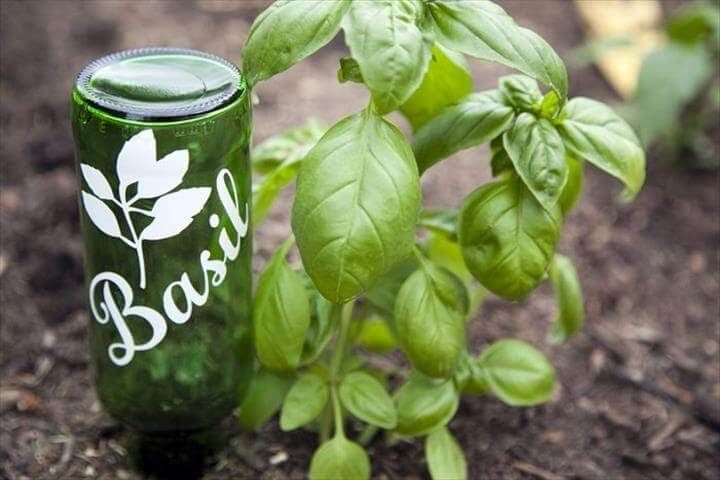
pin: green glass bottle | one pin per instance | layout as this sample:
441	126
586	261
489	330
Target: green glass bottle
162	148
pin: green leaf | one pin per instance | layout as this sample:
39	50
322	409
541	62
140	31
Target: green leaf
550	106
442	222
321	327
507	237
682	71
263	399
520	92
287	32
424	404
573	188
376	336
470	378
349	71
289	146
445	458
366	398
592	131
265	192
482	29
694	23
538	154
447	80
500	162
384	291
446	253
281	314
568	293
339	458
357	201
476	119
430	319
384	38
304	402
517	373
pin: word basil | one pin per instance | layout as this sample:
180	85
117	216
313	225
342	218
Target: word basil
507	237
356	205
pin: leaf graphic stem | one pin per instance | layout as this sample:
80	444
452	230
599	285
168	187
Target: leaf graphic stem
137	242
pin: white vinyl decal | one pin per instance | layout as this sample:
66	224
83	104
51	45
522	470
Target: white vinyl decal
172	212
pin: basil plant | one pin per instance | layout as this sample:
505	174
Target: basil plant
379	272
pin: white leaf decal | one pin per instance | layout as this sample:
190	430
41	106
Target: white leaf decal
163	175
101	215
96	181
174	212
136	158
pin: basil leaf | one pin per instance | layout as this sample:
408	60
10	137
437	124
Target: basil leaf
445	458
281	314
291	145
321	327
357	201
430	319
469	377
424	404
441	222
349	71
507	237
384	291
694	23
447	80
366	398
573	188
287	32
384	38
376	335
568	293
550	106
482	29
517	373
263	399
520	92
476	119
446	253
500	162
683	71
304	402
538	154
265	192
339	458
594	132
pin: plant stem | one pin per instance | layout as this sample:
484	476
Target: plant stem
367	434
325	424
337	412
339	352
336	363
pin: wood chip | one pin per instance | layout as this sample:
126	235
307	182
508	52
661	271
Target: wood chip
536	471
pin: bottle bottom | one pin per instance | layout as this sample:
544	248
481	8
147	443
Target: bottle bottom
176	455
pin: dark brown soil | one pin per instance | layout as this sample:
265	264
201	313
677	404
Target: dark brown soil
640	388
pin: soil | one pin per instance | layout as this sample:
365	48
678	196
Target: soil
639	388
